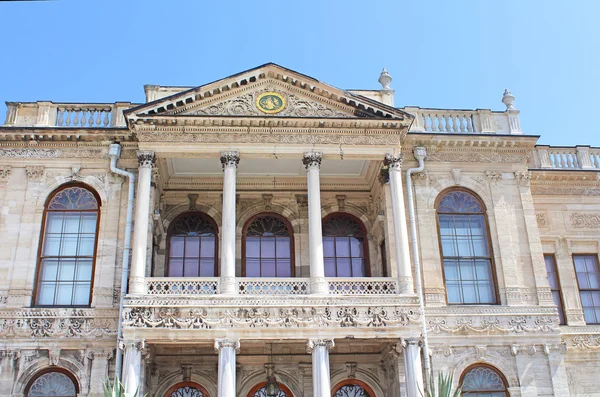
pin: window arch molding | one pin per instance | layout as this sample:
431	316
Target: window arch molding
187	386
62	373
290	231
346	383
259	386
365	241
485	367
451	241
174	224
68	246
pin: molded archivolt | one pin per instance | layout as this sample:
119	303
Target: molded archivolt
182	208
361	375
492	359
245	385
91	181
64	363
207	382
260	208
439	187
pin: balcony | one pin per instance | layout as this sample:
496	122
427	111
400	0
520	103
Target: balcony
566	158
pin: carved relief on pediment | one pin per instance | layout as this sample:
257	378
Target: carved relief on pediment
249	104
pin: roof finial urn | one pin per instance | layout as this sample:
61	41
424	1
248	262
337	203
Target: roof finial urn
385	79
508	99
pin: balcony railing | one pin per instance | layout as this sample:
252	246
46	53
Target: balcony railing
566	158
71	115
270	286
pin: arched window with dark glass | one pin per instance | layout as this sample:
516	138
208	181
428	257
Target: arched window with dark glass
260	390
54	383
483	381
345	249
268	247
466	253
352	388
187	389
192	246
67	250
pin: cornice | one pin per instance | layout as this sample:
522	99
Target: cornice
64	134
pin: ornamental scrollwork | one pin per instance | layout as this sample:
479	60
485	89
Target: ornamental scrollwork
581	220
505	325
312	160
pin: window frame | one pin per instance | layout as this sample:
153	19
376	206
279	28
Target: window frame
179	385
290	230
490	367
281	385
172	224
561	309
42	240
494	278
353	381
365	243
573	255
48	370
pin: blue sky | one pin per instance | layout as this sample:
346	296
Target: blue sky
449	54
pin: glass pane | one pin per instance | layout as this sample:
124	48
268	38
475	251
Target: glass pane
590	315
480	246
579	263
192	247
329	246
52	245
84	270
459	201
267	267
591	264
467	270
49	270
64	294
344	267
469	292
71	224
190	267
586	298
446	224
88	222
267	247
358	268
582	279
595	298
461	226
449	246
86	246
252	267
176	246
453	291
330	270
73	198
465	249
66	271
175	267
207	247
284	268
54	384
594	280
482	379
552	280
253	247
69	246
451	270
207	268
283	247
357	247
54	222
342	247
81	294
46	293
486	293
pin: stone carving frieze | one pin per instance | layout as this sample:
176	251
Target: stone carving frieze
583	220
568	191
43	153
437	155
245	105
493	324
542	219
269	317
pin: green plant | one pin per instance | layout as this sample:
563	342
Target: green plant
115	389
444	387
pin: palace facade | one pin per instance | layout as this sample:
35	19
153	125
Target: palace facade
254	236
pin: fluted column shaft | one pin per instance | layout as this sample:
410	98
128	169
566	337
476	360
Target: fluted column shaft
229	160
142	217
413	368
320	366
405	279
312	162
132	365
227	350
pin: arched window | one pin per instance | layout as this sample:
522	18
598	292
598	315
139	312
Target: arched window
268	247
467	258
260	390
192	246
483	381
187	389
352	388
52	384
67	250
345	246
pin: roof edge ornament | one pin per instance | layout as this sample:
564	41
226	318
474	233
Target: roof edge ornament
508	99
385	79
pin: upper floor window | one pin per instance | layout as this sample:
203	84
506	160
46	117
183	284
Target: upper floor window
588	279
68	247
192	246
344	246
268	247
483	381
352	388
465	247
52	384
187	389
554	285
260	390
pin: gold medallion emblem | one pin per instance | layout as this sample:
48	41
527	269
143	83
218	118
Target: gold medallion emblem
270	102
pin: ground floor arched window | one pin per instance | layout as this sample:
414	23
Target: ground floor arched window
260	391
187	389
352	388
53	383
483	381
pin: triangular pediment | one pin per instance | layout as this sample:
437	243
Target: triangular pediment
267	91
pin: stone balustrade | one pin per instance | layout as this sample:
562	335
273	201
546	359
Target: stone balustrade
182	286
273	286
480	121
362	286
66	115
566	158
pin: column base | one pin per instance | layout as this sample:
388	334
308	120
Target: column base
405	285
137	285
319	286
228	285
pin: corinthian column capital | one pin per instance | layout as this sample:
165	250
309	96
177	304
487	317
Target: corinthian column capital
224	343
393	161
314	343
145	158
230	159
312	160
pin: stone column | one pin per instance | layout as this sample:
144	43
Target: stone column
227	349
132	365
142	217
413	368
405	279
229	161
320	366
318	284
